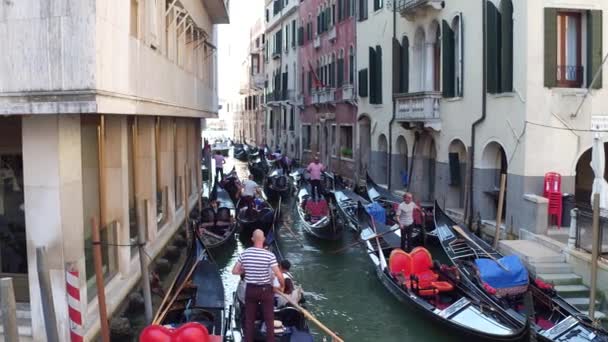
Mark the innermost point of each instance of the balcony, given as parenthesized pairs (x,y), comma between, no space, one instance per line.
(316,43)
(348,93)
(419,108)
(332,34)
(412,8)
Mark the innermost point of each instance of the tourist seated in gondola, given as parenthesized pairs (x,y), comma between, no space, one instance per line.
(291,290)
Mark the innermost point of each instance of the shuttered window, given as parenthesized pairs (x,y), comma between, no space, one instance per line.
(550,47)
(506,51)
(378,4)
(340,72)
(396,66)
(351,66)
(340,9)
(404,79)
(594,48)
(362,9)
(493,48)
(378,83)
(447,41)
(300,36)
(372,75)
(293,33)
(363,83)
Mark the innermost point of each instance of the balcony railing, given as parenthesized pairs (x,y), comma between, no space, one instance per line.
(316,43)
(331,35)
(570,76)
(348,93)
(413,7)
(422,107)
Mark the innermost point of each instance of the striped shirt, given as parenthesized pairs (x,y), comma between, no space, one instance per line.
(257,263)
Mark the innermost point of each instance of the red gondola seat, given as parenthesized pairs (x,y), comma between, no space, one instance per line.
(422,268)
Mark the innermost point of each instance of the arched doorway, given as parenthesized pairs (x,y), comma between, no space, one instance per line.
(422,178)
(583,186)
(457,159)
(365,143)
(400,164)
(493,164)
(382,160)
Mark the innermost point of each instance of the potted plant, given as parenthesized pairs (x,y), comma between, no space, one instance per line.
(347,152)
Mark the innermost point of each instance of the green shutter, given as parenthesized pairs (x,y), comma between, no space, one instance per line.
(363,83)
(340,72)
(594,47)
(396,66)
(506,52)
(447,39)
(492,49)
(404,82)
(550,47)
(378,74)
(372,75)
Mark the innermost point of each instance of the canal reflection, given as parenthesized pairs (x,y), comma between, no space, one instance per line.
(342,290)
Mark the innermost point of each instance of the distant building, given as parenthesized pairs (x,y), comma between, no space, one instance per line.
(327,70)
(102,105)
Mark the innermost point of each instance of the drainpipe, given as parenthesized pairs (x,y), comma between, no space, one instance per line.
(484,87)
(390,125)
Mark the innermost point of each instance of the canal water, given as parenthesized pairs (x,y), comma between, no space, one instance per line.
(342,290)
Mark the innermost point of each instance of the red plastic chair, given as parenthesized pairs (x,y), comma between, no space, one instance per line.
(553,183)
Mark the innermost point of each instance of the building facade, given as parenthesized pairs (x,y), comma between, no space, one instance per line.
(101,119)
(282,86)
(472,101)
(327,69)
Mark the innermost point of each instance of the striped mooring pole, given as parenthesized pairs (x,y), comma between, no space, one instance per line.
(73,290)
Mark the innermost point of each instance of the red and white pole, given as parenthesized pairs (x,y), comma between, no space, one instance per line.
(73,290)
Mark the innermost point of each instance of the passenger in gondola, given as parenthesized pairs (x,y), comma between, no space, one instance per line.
(258,265)
(405,219)
(315,169)
(294,293)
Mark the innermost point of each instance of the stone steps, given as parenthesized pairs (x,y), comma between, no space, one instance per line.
(581,303)
(572,291)
(24,322)
(530,251)
(561,278)
(550,267)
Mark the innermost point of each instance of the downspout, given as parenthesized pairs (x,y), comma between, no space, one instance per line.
(390,125)
(484,87)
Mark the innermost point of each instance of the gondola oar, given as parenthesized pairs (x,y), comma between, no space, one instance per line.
(287,226)
(308,315)
(364,240)
(466,236)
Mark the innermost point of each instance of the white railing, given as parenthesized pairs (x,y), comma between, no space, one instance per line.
(316,43)
(420,107)
(331,35)
(412,6)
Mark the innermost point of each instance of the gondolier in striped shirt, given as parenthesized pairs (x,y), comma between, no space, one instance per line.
(258,265)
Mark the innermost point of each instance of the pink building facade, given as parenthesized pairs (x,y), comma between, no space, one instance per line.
(327,73)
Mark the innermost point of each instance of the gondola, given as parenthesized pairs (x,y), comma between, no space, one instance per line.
(317,216)
(276,185)
(240,152)
(433,290)
(293,325)
(258,167)
(262,216)
(346,202)
(232,185)
(215,228)
(554,319)
(200,298)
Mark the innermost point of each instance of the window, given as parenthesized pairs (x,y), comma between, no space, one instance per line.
(286,37)
(340,81)
(452,85)
(267,15)
(334,146)
(292,118)
(318,137)
(332,71)
(293,33)
(362,9)
(375,75)
(340,10)
(378,5)
(351,65)
(346,141)
(363,89)
(306,138)
(500,47)
(569,46)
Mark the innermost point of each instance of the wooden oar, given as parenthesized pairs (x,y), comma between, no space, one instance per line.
(162,304)
(287,226)
(312,318)
(162,314)
(364,240)
(466,236)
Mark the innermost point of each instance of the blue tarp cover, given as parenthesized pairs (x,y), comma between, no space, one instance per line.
(376,211)
(497,277)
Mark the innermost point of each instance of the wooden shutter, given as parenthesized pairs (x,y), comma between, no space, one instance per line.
(284,87)
(340,5)
(396,66)
(594,47)
(492,49)
(372,75)
(363,83)
(378,74)
(506,52)
(550,47)
(404,79)
(460,64)
(300,36)
(447,42)
(293,33)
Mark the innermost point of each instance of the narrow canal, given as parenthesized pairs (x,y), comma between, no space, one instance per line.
(342,290)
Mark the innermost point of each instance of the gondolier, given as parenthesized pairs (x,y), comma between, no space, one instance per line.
(405,219)
(258,265)
(249,189)
(219,164)
(315,169)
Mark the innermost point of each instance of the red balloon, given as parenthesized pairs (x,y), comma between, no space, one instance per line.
(190,332)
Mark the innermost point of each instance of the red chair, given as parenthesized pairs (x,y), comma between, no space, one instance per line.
(400,265)
(553,183)
(422,264)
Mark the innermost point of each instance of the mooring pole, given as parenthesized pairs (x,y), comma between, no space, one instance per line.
(144,264)
(101,291)
(594,253)
(46,296)
(8,308)
(501,200)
